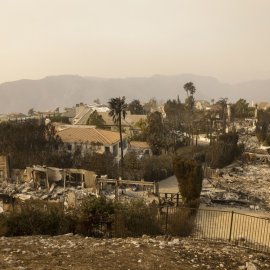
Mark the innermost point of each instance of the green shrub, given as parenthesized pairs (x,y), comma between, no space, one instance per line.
(224,150)
(189,175)
(189,151)
(156,168)
(136,219)
(37,217)
(152,168)
(99,163)
(132,167)
(182,222)
(94,213)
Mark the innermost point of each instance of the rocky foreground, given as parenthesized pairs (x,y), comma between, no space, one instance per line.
(76,252)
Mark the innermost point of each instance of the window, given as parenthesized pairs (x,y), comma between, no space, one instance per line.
(107,149)
(78,149)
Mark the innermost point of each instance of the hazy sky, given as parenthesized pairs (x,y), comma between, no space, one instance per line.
(227,39)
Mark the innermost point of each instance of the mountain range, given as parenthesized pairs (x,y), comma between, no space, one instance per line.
(67,90)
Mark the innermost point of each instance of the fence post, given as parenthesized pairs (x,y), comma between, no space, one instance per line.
(167,213)
(115,224)
(231,227)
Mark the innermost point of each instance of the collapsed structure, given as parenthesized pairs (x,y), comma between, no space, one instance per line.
(65,186)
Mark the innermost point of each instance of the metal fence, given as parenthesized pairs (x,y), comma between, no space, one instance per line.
(223,226)
(170,198)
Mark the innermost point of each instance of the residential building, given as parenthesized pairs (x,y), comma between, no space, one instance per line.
(83,111)
(88,139)
(128,124)
(264,105)
(202,105)
(140,148)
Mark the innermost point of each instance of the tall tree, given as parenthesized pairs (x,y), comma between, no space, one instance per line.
(135,107)
(240,109)
(190,102)
(118,109)
(28,143)
(190,88)
(156,134)
(224,150)
(223,103)
(151,105)
(189,175)
(262,125)
(31,112)
(174,110)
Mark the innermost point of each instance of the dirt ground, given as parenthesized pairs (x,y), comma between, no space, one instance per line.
(76,252)
(169,185)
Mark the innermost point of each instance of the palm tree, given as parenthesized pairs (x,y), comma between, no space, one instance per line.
(190,88)
(118,108)
(190,102)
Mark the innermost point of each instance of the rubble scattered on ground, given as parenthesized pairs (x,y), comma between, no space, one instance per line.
(161,252)
(25,191)
(70,196)
(249,185)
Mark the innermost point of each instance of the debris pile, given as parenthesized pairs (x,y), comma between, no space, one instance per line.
(67,186)
(16,193)
(246,186)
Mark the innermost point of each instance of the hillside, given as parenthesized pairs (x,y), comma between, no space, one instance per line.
(66,90)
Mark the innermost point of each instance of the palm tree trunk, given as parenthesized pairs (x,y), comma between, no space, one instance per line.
(121,144)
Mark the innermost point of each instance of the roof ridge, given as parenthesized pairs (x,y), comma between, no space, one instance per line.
(63,129)
(81,116)
(98,131)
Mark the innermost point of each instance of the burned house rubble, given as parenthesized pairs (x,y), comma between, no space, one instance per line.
(126,190)
(240,186)
(67,186)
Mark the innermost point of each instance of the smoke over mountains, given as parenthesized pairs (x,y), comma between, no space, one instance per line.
(67,90)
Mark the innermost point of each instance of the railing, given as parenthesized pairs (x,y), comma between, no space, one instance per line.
(170,198)
(222,226)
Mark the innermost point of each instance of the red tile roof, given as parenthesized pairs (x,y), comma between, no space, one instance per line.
(88,135)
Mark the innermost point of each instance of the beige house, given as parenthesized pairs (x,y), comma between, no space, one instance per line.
(88,139)
(264,105)
(83,111)
(202,105)
(141,148)
(128,124)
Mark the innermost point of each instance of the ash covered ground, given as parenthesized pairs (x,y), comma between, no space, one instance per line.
(76,252)
(241,187)
(252,181)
